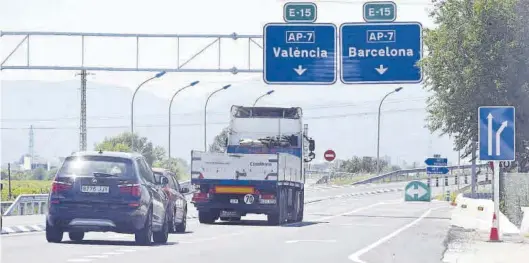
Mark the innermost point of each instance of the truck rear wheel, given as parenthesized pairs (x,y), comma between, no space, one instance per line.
(301,206)
(273,219)
(206,217)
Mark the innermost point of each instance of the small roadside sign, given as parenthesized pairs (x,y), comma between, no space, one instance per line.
(417,191)
(436,170)
(329,155)
(436,161)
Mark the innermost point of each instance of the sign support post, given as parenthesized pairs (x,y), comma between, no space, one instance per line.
(496,185)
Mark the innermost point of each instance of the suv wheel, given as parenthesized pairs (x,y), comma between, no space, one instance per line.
(181,228)
(53,233)
(76,236)
(144,235)
(172,222)
(162,236)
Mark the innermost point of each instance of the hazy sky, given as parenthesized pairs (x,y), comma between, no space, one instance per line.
(211,17)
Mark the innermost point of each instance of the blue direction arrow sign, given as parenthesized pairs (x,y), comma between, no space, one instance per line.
(497,133)
(436,170)
(299,54)
(436,161)
(376,53)
(417,191)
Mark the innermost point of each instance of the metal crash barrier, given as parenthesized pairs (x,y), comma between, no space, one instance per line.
(34,204)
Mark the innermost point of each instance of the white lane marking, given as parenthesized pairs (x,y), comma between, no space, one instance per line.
(312,240)
(208,238)
(126,250)
(79,260)
(113,253)
(97,256)
(353,211)
(360,224)
(355,256)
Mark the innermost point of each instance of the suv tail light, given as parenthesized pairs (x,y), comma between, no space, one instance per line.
(130,189)
(200,197)
(203,197)
(58,186)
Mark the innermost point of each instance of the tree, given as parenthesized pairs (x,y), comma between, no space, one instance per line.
(364,165)
(219,142)
(477,56)
(177,165)
(122,143)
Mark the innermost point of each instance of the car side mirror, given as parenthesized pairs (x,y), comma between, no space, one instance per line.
(164,181)
(184,190)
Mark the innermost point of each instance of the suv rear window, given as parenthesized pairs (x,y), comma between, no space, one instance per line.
(88,165)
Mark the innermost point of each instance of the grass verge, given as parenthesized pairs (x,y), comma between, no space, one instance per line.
(19,187)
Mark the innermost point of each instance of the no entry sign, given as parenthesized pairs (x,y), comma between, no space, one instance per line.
(329,155)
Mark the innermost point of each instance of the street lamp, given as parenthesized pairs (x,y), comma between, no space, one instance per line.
(158,75)
(170,105)
(378,127)
(205,113)
(266,94)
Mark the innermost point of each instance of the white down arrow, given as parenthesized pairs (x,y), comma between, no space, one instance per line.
(300,70)
(381,69)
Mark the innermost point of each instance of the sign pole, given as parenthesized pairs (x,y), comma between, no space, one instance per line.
(496,223)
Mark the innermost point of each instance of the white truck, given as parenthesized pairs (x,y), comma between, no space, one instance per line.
(261,172)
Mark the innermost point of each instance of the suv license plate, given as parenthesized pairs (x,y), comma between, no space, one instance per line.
(95,189)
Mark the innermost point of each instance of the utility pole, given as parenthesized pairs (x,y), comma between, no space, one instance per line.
(502,167)
(31,146)
(9,181)
(82,124)
(473,169)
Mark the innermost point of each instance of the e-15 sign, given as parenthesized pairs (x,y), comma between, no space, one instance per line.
(299,12)
(380,11)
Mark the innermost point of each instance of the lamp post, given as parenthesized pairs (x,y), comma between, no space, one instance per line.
(266,94)
(378,127)
(205,113)
(158,75)
(170,105)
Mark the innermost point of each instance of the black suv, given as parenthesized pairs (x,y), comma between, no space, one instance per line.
(107,191)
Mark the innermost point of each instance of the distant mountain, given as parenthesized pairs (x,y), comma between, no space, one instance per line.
(341,118)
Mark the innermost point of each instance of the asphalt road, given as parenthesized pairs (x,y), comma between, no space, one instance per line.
(364,228)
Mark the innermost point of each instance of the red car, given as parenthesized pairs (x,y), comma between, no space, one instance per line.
(177,205)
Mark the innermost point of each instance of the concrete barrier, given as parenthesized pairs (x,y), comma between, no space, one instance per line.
(477,214)
(524,228)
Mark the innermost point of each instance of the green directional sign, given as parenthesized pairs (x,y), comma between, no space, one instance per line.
(417,191)
(299,12)
(380,11)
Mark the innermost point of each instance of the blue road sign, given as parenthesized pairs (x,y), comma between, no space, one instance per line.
(436,161)
(299,54)
(496,132)
(436,170)
(376,53)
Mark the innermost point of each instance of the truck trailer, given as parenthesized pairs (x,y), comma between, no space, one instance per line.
(260,172)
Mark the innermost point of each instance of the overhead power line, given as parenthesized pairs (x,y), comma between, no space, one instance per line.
(151,116)
(335,116)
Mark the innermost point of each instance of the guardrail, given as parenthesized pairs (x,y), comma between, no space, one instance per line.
(33,204)
(411,171)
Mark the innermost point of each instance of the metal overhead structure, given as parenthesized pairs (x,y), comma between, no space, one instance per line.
(215,41)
